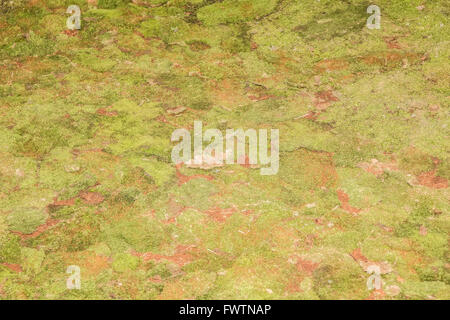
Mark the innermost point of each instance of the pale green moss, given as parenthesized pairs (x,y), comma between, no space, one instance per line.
(125,262)
(26,220)
(32,259)
(232,11)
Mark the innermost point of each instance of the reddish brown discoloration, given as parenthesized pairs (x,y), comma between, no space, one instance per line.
(392,43)
(324,99)
(219,214)
(331,65)
(366,264)
(344,199)
(107,112)
(260,97)
(175,209)
(376,295)
(306,266)
(182,179)
(391,58)
(430,180)
(61,203)
(358,256)
(12,266)
(70,33)
(181,257)
(39,230)
(294,283)
(92,197)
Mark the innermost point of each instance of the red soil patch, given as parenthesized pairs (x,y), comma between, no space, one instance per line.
(70,33)
(163,119)
(39,230)
(391,42)
(306,266)
(155,279)
(324,99)
(219,214)
(430,180)
(182,179)
(12,266)
(107,112)
(358,256)
(260,97)
(175,209)
(384,267)
(320,167)
(377,168)
(293,285)
(423,231)
(91,197)
(311,115)
(331,65)
(181,257)
(344,199)
(392,58)
(61,203)
(376,295)
(95,264)
(228,93)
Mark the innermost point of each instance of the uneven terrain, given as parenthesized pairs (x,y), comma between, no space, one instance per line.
(86,176)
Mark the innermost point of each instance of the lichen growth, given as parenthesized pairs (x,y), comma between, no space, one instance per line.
(87,116)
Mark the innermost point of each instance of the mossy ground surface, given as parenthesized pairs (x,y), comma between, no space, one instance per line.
(86,177)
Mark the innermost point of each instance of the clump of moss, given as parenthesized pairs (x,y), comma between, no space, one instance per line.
(134,234)
(443,169)
(111,4)
(10,249)
(26,220)
(9,5)
(90,59)
(33,45)
(127,196)
(3,229)
(334,24)
(125,262)
(32,259)
(233,11)
(418,215)
(415,161)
